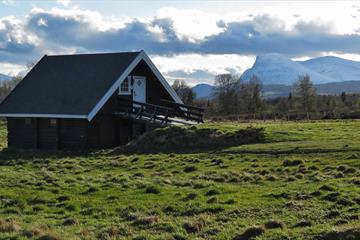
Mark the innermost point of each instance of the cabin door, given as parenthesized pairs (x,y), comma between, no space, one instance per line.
(139,89)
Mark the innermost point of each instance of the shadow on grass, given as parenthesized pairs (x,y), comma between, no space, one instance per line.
(10,157)
(163,140)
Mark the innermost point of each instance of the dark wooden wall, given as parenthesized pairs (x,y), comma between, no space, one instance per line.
(73,133)
(48,137)
(22,134)
(46,133)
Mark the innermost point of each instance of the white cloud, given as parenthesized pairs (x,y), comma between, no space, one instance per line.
(11,69)
(192,24)
(212,64)
(65,3)
(8,2)
(13,36)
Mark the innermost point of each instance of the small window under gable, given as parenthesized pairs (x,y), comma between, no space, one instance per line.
(27,121)
(53,122)
(125,87)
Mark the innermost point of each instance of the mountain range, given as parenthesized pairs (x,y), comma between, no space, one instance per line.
(278,69)
(331,75)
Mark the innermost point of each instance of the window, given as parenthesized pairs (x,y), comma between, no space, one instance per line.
(27,121)
(53,122)
(125,86)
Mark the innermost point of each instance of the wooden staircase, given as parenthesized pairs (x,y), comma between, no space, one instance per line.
(163,115)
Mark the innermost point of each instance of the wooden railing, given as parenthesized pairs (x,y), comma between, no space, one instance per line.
(172,112)
(186,111)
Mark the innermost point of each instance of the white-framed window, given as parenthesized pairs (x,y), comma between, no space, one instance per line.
(53,122)
(125,87)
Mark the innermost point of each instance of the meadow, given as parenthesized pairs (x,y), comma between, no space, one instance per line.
(301,182)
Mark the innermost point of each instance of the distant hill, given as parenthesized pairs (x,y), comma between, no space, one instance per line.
(203,90)
(335,67)
(4,77)
(277,90)
(276,69)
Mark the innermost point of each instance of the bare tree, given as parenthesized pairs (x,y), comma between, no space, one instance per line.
(226,93)
(7,86)
(184,91)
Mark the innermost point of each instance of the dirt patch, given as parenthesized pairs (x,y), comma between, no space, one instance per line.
(180,139)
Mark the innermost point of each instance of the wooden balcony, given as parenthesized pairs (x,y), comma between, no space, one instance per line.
(169,113)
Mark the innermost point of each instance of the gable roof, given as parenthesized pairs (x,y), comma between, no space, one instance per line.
(74,86)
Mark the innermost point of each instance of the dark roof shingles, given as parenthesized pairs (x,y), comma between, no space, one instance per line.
(67,84)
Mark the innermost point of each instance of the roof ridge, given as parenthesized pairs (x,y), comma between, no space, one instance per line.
(95,53)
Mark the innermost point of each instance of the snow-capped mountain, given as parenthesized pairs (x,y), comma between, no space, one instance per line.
(334,67)
(277,69)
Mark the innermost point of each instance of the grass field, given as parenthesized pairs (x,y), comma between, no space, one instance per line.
(303,182)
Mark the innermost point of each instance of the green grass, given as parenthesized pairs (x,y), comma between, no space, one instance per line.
(205,195)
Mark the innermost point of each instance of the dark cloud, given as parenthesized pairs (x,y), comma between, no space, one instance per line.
(49,31)
(135,35)
(12,39)
(306,38)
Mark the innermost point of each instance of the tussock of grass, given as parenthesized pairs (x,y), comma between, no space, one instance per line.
(250,233)
(274,224)
(196,225)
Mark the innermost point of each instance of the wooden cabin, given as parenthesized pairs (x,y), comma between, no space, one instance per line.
(91,101)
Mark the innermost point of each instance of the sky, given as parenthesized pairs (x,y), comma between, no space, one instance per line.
(190,40)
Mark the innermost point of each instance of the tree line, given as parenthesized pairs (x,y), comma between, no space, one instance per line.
(234,98)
